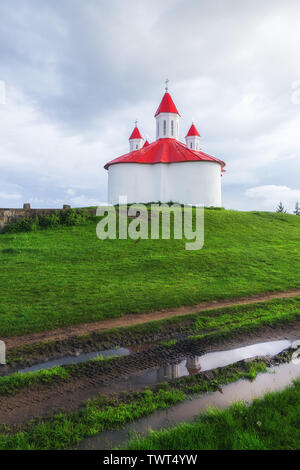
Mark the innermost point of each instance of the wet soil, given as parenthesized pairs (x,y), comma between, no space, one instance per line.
(128,373)
(128,320)
(279,377)
(78,349)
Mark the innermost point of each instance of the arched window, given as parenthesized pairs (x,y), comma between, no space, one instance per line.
(172,127)
(136,146)
(165,127)
(191,145)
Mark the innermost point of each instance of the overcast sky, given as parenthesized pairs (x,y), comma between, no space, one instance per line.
(78,73)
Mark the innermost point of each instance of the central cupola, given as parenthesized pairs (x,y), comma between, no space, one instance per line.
(167,118)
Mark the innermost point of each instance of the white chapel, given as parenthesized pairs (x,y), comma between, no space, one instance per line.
(166,170)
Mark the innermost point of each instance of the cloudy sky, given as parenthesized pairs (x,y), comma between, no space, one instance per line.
(77,74)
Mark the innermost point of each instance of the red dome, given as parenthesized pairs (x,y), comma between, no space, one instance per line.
(167,105)
(193,131)
(135,134)
(164,151)
(146,144)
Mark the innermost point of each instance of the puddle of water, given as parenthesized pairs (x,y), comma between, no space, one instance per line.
(192,365)
(278,378)
(196,364)
(77,359)
(225,358)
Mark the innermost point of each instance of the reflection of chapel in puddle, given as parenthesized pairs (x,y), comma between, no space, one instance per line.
(173,371)
(193,364)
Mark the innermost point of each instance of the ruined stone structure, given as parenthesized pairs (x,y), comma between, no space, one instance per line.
(11,215)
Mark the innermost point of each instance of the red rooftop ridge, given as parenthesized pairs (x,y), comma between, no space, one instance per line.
(166,105)
(135,134)
(193,131)
(164,151)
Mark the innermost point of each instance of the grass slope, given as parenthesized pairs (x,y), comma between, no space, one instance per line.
(64,276)
(269,423)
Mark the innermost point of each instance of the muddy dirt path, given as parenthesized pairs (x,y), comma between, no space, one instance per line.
(128,373)
(130,320)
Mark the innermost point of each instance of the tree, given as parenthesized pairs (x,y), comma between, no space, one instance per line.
(280,208)
(297,209)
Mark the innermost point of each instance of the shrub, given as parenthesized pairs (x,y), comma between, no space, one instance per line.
(73,217)
(49,221)
(66,217)
(22,225)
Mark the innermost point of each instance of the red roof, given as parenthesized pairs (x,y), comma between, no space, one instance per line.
(164,151)
(135,134)
(146,144)
(193,131)
(167,105)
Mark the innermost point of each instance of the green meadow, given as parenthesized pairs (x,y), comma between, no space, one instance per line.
(65,275)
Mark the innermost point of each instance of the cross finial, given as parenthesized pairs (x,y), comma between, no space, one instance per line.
(166,82)
(136,122)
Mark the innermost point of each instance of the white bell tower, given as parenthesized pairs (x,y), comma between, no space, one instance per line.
(167,118)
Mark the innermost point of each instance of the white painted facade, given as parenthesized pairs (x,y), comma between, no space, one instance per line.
(135,144)
(167,126)
(195,182)
(193,142)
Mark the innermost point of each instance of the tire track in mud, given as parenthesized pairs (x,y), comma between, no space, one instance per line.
(136,319)
(89,381)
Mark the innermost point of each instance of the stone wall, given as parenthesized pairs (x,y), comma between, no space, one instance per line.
(11,215)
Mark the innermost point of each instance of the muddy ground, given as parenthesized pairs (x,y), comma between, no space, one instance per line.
(86,338)
(75,346)
(93,378)
(128,320)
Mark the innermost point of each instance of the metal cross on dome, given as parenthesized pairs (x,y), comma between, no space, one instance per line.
(136,122)
(166,82)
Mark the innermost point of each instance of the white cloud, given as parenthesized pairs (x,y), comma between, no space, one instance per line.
(76,83)
(4,195)
(84,200)
(270,195)
(38,153)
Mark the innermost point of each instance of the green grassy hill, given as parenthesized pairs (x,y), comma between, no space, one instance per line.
(63,276)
